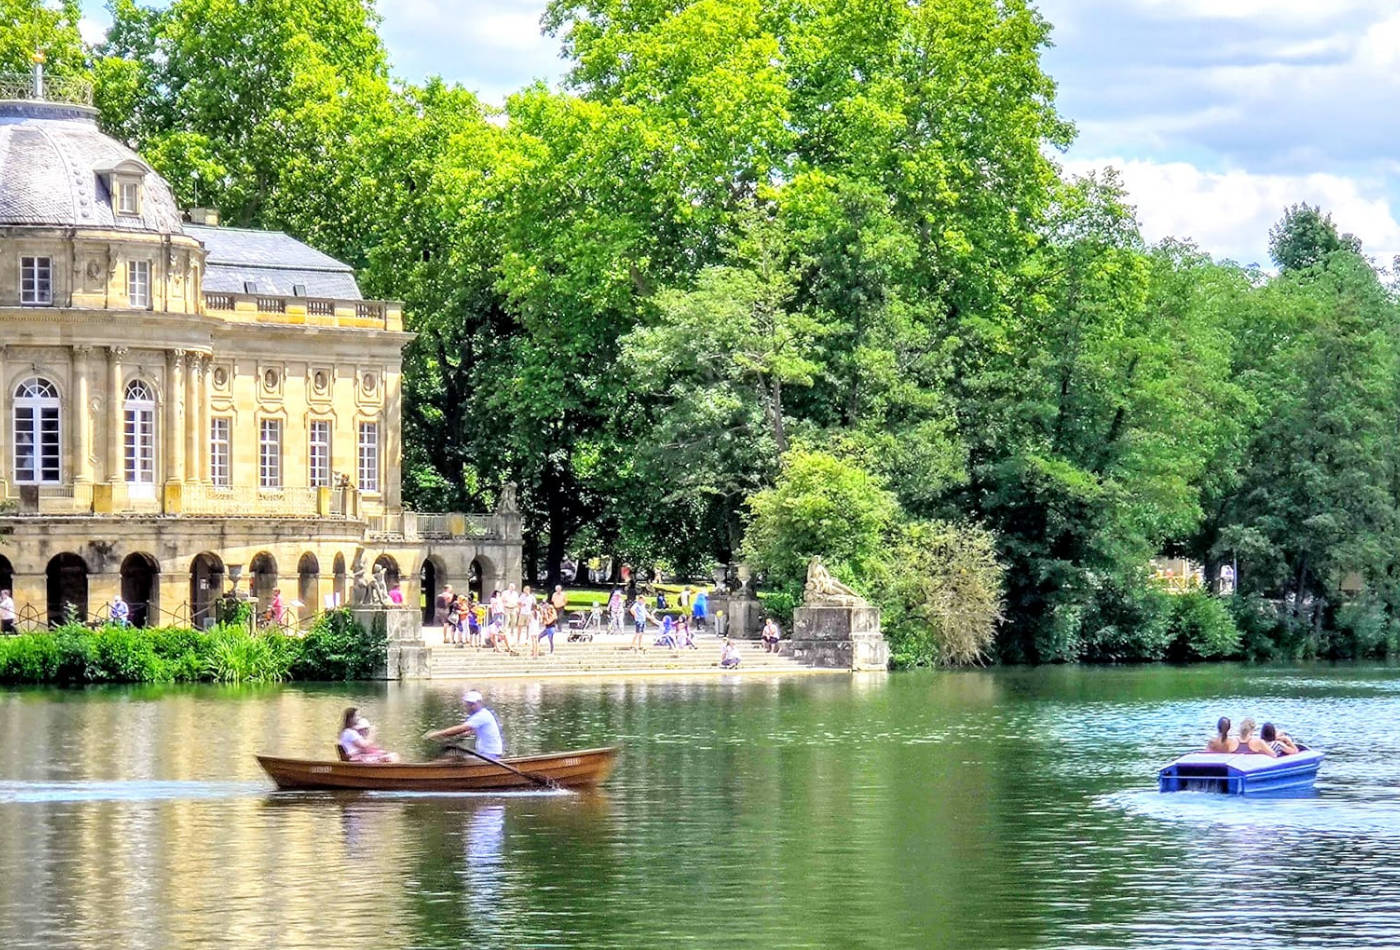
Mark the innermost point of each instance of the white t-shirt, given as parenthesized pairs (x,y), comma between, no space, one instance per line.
(511,599)
(7,608)
(350,741)
(488,732)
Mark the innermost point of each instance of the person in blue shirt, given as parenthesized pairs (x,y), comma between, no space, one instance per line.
(699,609)
(121,612)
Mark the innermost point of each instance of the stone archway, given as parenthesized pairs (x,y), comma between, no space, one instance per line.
(7,574)
(141,589)
(262,579)
(206,587)
(338,566)
(431,577)
(67,587)
(476,579)
(308,584)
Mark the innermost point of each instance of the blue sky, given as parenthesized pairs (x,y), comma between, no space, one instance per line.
(1218,113)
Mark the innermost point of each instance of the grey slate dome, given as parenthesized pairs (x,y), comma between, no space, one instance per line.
(54,166)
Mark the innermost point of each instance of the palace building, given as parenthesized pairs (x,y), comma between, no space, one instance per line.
(188,408)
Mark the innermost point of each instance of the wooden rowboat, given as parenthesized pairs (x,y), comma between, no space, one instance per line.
(581,769)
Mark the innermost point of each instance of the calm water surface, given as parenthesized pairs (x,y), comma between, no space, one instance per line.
(991,809)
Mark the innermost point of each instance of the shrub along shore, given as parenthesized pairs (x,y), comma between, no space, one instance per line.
(335,648)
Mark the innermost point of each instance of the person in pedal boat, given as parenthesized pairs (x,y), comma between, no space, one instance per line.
(480,722)
(1222,741)
(355,741)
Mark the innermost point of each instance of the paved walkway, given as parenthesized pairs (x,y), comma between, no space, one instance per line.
(605,655)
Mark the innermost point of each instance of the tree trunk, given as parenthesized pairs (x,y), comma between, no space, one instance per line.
(775,407)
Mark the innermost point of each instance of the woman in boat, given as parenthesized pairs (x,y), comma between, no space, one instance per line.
(1279,742)
(1249,742)
(1222,741)
(355,741)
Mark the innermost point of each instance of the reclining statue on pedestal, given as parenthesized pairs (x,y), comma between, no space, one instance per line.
(821,587)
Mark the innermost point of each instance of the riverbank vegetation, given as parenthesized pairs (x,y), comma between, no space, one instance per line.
(770,280)
(335,648)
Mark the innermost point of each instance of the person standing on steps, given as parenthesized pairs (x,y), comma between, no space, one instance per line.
(639,625)
(480,722)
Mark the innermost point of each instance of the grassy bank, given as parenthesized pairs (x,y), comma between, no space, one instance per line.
(336,648)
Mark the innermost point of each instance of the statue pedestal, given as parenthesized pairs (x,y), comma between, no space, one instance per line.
(838,636)
(408,656)
(743,616)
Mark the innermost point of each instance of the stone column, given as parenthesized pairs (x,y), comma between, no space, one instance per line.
(174,417)
(194,383)
(81,425)
(114,413)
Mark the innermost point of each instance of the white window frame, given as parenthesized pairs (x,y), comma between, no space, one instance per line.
(139,439)
(127,189)
(35,281)
(220,451)
(138,284)
(270,453)
(319,434)
(367,457)
(37,423)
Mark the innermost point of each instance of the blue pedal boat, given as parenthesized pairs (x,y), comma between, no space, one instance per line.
(1234,774)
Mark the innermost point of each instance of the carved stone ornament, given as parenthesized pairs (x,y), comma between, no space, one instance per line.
(822,588)
(507,505)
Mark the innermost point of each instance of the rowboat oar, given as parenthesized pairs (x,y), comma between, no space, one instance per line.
(541,780)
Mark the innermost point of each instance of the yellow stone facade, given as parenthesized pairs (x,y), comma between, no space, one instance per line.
(178,410)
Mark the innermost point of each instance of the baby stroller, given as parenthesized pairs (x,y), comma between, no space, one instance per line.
(578,628)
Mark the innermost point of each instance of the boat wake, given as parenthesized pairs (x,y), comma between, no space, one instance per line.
(1372,815)
(142,790)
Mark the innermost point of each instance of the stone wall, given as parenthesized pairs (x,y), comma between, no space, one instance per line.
(408,656)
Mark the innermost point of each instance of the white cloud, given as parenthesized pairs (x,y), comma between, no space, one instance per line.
(92,30)
(1229,213)
(1276,10)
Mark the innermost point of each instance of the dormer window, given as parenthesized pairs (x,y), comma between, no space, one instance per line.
(122,183)
(128,198)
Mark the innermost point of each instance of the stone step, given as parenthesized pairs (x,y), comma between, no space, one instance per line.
(604,656)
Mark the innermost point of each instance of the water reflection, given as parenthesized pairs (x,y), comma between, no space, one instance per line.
(990,809)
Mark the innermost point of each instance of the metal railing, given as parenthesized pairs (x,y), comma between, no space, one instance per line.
(65,89)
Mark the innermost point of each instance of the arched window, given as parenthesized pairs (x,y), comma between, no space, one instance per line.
(140,435)
(37,436)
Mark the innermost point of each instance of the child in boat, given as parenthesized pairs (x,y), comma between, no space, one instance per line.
(1279,742)
(355,741)
(1222,741)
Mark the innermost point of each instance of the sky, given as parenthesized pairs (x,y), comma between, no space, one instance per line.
(1217,113)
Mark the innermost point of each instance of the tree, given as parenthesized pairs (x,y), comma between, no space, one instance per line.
(30,26)
(1305,237)
(819,506)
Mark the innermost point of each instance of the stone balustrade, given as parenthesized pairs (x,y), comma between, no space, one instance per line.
(305,311)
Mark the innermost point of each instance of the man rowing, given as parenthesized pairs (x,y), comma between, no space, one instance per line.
(480,722)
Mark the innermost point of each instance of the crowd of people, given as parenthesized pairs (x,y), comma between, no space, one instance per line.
(514,621)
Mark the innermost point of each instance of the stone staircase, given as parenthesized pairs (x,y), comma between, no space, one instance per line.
(606,655)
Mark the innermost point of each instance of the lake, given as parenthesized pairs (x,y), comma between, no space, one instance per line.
(1005,808)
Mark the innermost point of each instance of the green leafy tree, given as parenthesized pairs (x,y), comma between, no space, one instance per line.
(30,26)
(1306,237)
(820,506)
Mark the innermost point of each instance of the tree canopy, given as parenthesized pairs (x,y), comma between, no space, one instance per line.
(794,278)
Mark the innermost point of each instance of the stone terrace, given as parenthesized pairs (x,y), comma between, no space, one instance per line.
(606,655)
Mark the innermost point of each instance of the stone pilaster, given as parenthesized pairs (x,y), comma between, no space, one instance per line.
(113,470)
(194,381)
(174,415)
(81,425)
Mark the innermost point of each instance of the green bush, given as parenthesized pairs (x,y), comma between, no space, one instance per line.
(1363,627)
(1201,627)
(1127,620)
(940,591)
(72,655)
(338,648)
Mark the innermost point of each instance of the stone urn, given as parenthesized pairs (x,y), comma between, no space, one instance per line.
(745,574)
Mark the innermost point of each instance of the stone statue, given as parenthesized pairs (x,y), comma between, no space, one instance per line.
(360,595)
(822,588)
(507,504)
(379,590)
